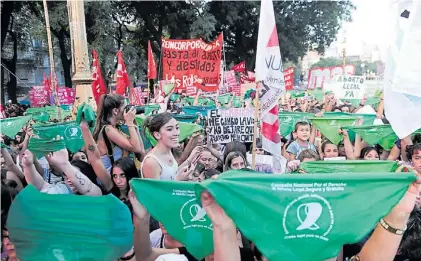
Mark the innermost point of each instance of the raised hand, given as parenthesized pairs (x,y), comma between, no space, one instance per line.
(28,158)
(215,212)
(129,116)
(138,209)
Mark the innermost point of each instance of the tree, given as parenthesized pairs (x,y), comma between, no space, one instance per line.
(330,62)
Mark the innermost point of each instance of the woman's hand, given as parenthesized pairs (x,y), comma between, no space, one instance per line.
(293,165)
(217,214)
(344,133)
(84,125)
(59,158)
(138,209)
(28,158)
(129,116)
(185,172)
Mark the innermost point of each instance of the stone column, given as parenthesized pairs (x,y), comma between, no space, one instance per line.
(81,67)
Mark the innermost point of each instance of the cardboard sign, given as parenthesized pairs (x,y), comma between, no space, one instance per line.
(226,125)
(349,87)
(317,77)
(192,63)
(39,96)
(289,78)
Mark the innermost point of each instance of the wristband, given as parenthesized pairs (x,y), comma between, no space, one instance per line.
(391,229)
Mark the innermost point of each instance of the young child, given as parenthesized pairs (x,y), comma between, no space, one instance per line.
(304,139)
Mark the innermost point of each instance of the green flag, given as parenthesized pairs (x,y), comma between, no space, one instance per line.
(150,107)
(50,227)
(236,102)
(287,121)
(318,94)
(198,109)
(70,131)
(41,117)
(373,134)
(40,147)
(182,217)
(167,87)
(11,126)
(285,214)
(329,126)
(186,130)
(225,98)
(348,166)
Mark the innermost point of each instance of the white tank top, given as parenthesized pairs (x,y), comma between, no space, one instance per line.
(167,172)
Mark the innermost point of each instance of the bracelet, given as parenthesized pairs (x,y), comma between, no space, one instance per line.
(392,229)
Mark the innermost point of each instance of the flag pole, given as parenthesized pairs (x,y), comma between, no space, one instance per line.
(51,54)
(256,119)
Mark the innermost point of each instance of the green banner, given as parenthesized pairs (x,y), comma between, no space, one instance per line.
(349,166)
(329,126)
(51,227)
(286,212)
(203,110)
(70,131)
(183,218)
(11,126)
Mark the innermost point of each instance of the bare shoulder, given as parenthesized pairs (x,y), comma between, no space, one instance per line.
(151,168)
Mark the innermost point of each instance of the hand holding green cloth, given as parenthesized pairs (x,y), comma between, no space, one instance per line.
(373,134)
(48,227)
(329,126)
(40,147)
(85,111)
(282,214)
(183,217)
(195,109)
(11,126)
(189,118)
(70,131)
(349,166)
(186,130)
(287,121)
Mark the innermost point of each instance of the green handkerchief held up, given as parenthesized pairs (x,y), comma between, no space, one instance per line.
(287,121)
(40,147)
(70,131)
(85,111)
(349,166)
(373,134)
(182,216)
(329,126)
(306,217)
(11,126)
(48,227)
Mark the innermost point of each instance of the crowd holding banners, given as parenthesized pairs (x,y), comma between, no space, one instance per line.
(205,201)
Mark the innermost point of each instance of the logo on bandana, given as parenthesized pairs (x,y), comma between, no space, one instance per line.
(194,216)
(73,132)
(9,124)
(308,216)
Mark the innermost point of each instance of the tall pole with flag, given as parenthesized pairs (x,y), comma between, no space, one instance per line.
(270,78)
(98,84)
(123,81)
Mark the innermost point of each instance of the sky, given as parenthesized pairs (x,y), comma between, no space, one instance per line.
(369,25)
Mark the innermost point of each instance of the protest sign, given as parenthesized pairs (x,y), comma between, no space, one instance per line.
(39,96)
(65,95)
(192,63)
(289,78)
(247,86)
(232,83)
(138,96)
(226,125)
(319,76)
(348,87)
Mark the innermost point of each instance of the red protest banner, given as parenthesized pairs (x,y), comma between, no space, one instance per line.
(39,96)
(138,96)
(241,67)
(289,78)
(66,96)
(192,63)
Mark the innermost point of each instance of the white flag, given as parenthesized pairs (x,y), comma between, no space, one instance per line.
(402,81)
(270,76)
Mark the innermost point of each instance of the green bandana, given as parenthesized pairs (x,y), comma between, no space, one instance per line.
(150,108)
(236,102)
(40,147)
(41,117)
(189,118)
(85,111)
(329,126)
(318,94)
(373,134)
(87,228)
(167,87)
(51,110)
(287,121)
(225,98)
(69,130)
(11,126)
(186,130)
(347,166)
(198,109)
(183,217)
(283,213)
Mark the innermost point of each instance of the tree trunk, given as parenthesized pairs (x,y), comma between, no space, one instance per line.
(2,98)
(12,85)
(66,63)
(7,8)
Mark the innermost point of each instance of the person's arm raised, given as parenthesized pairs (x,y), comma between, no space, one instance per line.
(224,230)
(31,174)
(94,157)
(60,160)
(349,149)
(383,244)
(133,144)
(11,165)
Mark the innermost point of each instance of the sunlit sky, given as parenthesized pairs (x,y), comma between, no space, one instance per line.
(369,26)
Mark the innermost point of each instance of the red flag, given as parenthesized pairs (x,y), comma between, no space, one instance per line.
(98,85)
(123,81)
(241,67)
(46,83)
(151,63)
